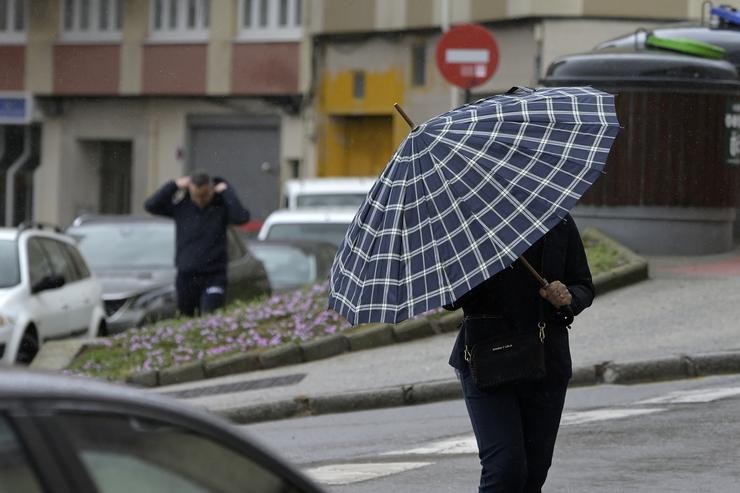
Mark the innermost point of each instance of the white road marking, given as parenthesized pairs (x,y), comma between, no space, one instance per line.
(456,445)
(467,445)
(694,396)
(580,417)
(340,474)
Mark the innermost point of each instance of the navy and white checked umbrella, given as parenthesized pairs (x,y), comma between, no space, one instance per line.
(465,194)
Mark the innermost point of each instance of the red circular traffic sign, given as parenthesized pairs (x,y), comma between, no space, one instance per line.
(467,55)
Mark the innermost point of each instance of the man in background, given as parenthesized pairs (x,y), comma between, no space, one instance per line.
(202,209)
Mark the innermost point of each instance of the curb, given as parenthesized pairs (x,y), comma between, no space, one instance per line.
(675,368)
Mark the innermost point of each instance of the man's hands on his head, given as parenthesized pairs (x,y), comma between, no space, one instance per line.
(183,182)
(220,187)
(557,294)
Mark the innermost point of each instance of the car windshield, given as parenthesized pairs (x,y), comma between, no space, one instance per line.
(126,245)
(331,200)
(9,269)
(332,233)
(286,266)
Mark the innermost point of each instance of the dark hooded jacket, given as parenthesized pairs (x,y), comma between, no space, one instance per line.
(514,294)
(200,232)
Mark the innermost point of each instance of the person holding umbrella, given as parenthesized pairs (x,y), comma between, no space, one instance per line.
(471,208)
(516,424)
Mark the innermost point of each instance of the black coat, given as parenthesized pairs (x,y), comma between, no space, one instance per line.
(200,232)
(514,294)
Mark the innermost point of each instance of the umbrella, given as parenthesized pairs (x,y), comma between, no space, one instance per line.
(465,194)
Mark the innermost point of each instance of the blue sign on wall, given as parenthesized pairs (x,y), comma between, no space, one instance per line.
(15,108)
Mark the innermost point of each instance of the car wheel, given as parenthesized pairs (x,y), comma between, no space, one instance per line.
(102,329)
(28,348)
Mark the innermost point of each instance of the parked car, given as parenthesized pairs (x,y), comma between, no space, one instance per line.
(294,264)
(134,258)
(326,192)
(46,292)
(316,224)
(63,434)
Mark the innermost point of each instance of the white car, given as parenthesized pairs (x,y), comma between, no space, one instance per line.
(316,224)
(326,192)
(46,292)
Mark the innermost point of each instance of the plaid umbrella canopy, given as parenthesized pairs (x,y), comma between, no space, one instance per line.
(466,194)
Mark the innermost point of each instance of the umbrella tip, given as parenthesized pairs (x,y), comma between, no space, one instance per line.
(404,115)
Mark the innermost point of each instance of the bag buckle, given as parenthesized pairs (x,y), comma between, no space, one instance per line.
(542,326)
(466,354)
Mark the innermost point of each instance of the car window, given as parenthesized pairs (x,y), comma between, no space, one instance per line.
(286,266)
(38,264)
(234,246)
(332,233)
(9,269)
(60,262)
(126,245)
(331,200)
(16,473)
(123,454)
(78,261)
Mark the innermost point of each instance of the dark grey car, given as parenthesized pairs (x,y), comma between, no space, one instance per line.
(134,259)
(68,435)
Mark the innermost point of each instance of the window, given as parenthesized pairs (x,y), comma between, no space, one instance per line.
(234,245)
(38,265)
(270,20)
(92,20)
(9,270)
(82,271)
(59,260)
(419,65)
(127,453)
(15,471)
(13,21)
(180,20)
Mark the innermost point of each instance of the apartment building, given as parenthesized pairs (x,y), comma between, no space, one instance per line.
(103,100)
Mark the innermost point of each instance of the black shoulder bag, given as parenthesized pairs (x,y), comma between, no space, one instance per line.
(498,352)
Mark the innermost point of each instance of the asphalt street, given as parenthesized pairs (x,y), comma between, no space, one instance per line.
(673,436)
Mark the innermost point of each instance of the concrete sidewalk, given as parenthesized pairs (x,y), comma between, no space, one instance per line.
(683,322)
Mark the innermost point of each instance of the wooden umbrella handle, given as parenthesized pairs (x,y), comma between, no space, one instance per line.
(543,282)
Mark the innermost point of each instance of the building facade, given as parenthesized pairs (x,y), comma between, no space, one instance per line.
(129,93)
(117,96)
(370,54)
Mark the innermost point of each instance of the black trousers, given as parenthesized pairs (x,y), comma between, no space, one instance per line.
(515,428)
(200,293)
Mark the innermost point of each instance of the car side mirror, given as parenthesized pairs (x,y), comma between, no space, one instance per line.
(49,282)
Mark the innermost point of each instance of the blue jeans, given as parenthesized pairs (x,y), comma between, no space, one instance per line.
(515,428)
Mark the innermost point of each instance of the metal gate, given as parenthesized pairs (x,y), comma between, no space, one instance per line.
(243,150)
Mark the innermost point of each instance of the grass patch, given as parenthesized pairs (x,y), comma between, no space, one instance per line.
(602,257)
(292,317)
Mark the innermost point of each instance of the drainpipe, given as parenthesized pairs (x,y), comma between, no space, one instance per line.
(10,176)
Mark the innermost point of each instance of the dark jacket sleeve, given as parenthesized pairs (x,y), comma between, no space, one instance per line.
(235,211)
(160,203)
(577,274)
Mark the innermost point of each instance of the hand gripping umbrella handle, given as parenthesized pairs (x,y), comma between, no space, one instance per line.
(543,282)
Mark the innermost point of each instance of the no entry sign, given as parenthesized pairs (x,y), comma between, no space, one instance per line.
(467,55)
